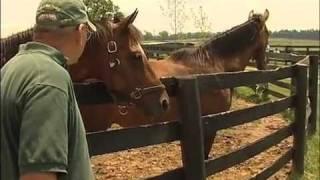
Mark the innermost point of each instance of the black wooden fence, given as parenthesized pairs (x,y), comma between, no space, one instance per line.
(190,129)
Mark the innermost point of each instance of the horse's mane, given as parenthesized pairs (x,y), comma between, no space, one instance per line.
(10,45)
(224,44)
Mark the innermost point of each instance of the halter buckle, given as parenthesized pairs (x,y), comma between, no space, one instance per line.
(112,47)
(136,94)
(123,110)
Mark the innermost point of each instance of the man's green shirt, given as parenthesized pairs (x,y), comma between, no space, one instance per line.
(41,126)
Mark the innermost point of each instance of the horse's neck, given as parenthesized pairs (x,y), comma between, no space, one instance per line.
(167,68)
(237,62)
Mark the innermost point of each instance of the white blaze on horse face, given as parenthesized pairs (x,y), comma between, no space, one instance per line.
(137,48)
(114,63)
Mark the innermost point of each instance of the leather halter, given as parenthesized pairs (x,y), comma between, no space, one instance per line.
(137,93)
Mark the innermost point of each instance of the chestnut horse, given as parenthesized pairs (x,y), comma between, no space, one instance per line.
(113,55)
(227,52)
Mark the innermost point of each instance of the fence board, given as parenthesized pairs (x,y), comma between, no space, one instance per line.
(227,80)
(229,160)
(92,93)
(282,84)
(284,159)
(276,94)
(122,139)
(284,56)
(224,120)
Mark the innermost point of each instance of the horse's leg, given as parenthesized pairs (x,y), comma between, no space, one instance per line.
(215,101)
(208,142)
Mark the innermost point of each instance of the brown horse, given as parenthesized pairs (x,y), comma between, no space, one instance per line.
(227,52)
(113,55)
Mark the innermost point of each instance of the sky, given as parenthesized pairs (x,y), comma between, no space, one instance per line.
(18,15)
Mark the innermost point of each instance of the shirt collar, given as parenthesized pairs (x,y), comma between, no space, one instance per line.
(56,55)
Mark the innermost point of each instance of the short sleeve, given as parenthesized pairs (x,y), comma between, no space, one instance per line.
(43,145)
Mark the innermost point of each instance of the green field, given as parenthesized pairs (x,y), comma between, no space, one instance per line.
(293,42)
(272,41)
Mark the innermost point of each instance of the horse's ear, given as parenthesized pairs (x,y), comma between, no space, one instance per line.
(130,19)
(250,14)
(266,15)
(133,16)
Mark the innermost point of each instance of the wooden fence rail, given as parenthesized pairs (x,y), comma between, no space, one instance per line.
(191,127)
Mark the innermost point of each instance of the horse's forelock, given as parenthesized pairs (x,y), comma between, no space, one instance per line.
(135,34)
(105,32)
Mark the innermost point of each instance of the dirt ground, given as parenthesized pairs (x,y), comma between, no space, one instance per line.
(154,160)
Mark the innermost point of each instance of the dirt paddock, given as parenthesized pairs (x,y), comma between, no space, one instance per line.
(154,160)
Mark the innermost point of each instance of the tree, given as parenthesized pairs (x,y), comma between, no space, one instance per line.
(201,20)
(164,35)
(147,35)
(100,9)
(175,11)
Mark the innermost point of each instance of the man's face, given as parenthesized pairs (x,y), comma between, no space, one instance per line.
(82,35)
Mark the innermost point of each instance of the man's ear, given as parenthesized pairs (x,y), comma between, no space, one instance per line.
(81,30)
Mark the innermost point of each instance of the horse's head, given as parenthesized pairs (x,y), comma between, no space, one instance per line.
(128,74)
(262,38)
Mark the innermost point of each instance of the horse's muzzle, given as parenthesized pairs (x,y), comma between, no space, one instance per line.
(165,103)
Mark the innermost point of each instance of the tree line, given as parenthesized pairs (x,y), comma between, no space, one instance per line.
(311,34)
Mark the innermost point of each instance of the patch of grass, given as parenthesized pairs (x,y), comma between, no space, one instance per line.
(288,115)
(312,158)
(250,95)
(294,42)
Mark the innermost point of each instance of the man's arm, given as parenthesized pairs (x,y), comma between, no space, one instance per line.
(43,145)
(39,176)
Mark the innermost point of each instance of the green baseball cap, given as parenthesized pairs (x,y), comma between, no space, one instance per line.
(62,13)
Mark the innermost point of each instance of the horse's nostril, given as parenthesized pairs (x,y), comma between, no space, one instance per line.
(165,105)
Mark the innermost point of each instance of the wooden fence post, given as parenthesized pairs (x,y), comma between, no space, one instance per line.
(293,83)
(191,129)
(313,94)
(300,119)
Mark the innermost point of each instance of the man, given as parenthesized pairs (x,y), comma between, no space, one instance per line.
(42,134)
